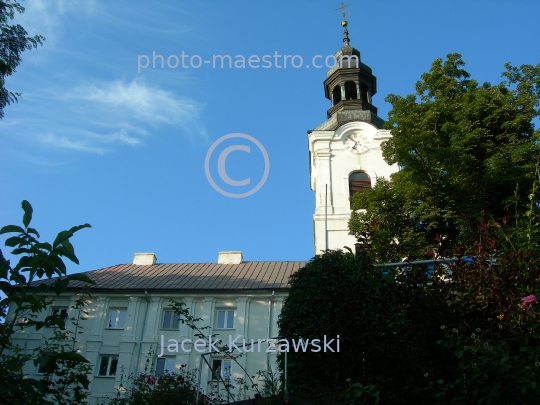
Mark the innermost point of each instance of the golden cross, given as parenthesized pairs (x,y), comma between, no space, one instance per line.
(342,8)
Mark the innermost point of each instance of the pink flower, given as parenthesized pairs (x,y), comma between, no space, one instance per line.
(530,299)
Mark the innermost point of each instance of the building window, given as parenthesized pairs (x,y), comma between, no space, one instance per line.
(221,370)
(117,318)
(164,365)
(60,311)
(171,320)
(358,182)
(40,369)
(225,319)
(56,311)
(108,366)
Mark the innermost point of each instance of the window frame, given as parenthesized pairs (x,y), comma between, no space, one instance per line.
(110,361)
(39,369)
(60,309)
(366,183)
(224,364)
(172,320)
(167,363)
(226,319)
(119,319)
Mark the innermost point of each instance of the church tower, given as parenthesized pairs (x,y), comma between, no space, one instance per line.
(345,150)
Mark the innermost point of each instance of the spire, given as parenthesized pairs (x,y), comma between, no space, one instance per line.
(345,33)
(344,23)
(350,84)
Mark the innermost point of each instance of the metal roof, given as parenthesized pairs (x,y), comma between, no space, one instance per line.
(192,276)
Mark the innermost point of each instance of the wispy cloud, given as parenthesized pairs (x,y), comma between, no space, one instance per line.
(101,117)
(65,143)
(123,137)
(145,103)
(87,141)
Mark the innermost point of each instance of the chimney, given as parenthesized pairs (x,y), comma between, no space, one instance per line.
(144,259)
(229,258)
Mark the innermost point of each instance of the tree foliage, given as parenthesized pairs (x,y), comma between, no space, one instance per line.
(14,40)
(462,147)
(445,333)
(336,294)
(38,260)
(492,325)
(173,388)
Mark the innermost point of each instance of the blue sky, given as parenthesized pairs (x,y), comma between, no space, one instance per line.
(94,140)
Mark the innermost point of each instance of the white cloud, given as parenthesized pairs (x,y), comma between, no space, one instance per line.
(149,104)
(88,141)
(94,118)
(123,137)
(65,143)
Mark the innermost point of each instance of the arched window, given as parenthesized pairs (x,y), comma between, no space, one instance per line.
(336,94)
(350,91)
(358,182)
(364,91)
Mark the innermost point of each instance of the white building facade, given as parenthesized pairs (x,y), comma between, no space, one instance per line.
(130,320)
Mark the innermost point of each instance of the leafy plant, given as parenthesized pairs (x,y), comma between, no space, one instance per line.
(65,376)
(462,148)
(174,388)
(178,387)
(357,393)
(25,300)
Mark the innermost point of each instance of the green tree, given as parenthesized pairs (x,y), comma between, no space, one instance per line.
(339,294)
(38,260)
(465,332)
(462,148)
(14,40)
